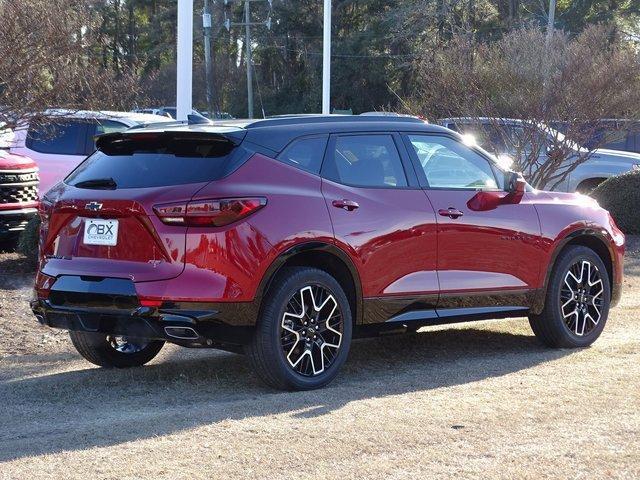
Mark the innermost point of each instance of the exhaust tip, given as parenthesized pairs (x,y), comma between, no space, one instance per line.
(182,333)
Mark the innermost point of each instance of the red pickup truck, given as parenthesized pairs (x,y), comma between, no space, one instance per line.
(18,193)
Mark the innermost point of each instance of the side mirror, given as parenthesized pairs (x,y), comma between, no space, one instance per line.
(490,200)
(515,184)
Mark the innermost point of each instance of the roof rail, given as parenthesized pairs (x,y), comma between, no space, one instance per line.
(311,119)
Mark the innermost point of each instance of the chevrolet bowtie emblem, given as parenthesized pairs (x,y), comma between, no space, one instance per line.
(94,206)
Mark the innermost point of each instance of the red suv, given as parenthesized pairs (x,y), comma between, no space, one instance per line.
(285,238)
(18,194)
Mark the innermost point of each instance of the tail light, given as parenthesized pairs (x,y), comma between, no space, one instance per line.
(209,213)
(44,209)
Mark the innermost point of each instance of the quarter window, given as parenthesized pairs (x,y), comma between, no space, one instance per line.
(449,164)
(365,161)
(306,153)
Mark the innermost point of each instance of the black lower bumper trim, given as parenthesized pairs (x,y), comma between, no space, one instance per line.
(202,329)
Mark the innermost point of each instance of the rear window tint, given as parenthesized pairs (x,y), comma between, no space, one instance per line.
(58,139)
(161,161)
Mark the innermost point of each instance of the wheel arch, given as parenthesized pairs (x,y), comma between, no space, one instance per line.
(595,239)
(326,257)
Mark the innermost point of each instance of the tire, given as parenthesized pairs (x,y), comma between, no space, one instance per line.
(278,351)
(98,349)
(571,319)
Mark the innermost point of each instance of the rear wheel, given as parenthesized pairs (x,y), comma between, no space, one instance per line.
(304,331)
(577,303)
(112,351)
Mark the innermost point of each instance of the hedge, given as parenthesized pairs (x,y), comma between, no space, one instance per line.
(621,196)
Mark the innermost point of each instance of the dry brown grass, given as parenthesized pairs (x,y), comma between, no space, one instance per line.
(482,400)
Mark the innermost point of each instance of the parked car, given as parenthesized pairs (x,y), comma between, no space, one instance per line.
(150,111)
(173,112)
(611,134)
(501,136)
(285,238)
(18,189)
(218,115)
(60,147)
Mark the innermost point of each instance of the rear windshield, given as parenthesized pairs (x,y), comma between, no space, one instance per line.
(142,161)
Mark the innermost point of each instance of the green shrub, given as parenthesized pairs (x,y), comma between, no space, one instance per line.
(28,241)
(621,196)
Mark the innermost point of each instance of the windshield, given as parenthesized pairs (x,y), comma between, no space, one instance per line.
(555,136)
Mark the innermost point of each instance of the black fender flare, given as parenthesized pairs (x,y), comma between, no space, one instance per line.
(313,246)
(599,233)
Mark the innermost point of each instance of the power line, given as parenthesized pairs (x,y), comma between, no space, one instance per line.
(344,55)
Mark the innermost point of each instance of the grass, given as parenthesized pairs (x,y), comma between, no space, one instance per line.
(481,400)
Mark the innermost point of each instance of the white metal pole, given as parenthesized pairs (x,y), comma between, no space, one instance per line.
(185,59)
(247,44)
(326,59)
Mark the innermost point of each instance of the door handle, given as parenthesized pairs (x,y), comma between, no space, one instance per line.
(450,212)
(348,205)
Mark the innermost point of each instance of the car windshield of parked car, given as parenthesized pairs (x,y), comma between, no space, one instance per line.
(449,164)
(109,126)
(7,137)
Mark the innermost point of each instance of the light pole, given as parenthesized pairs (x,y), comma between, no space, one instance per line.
(206,27)
(326,59)
(184,74)
(247,43)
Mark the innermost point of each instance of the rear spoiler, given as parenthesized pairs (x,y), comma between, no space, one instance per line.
(118,140)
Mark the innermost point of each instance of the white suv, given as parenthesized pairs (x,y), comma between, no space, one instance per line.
(494,134)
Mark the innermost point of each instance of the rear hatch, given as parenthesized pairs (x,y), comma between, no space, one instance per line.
(102,220)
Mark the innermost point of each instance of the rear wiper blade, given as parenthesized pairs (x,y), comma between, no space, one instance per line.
(98,183)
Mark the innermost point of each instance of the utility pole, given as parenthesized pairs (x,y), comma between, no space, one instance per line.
(247,24)
(551,21)
(206,28)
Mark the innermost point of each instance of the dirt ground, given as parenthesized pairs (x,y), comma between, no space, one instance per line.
(479,400)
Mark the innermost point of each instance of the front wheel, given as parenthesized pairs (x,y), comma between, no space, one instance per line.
(111,351)
(577,303)
(304,331)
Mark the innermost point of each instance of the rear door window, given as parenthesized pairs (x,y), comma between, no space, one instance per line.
(60,138)
(365,161)
(161,160)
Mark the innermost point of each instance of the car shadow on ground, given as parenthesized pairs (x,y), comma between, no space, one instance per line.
(79,409)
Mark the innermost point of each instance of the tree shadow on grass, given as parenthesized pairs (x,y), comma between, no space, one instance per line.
(80,409)
(16,272)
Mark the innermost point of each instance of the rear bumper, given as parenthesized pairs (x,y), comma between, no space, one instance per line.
(15,220)
(189,329)
(111,306)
